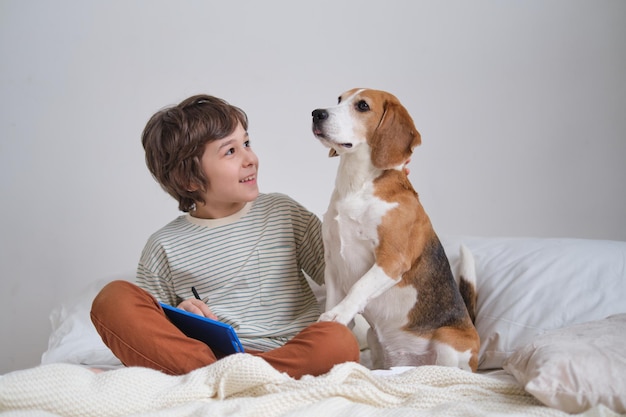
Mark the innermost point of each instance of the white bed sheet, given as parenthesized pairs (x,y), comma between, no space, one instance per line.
(243,385)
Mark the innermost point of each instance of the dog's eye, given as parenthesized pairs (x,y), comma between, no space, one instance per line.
(338,99)
(362,106)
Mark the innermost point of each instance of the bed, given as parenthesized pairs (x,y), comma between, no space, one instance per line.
(551,315)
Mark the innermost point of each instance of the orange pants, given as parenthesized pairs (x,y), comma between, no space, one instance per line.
(133,325)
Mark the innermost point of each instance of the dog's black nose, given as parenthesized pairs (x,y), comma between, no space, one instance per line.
(319,114)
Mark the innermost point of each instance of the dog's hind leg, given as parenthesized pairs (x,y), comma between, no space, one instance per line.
(376,349)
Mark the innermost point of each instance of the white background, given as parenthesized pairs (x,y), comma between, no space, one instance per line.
(521,107)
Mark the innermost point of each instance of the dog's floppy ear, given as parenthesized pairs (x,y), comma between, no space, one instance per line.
(395,137)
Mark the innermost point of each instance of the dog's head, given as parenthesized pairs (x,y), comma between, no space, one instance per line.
(371,117)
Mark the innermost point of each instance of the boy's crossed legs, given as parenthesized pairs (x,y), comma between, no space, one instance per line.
(133,325)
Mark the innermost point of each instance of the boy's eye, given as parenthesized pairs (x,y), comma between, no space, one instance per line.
(247,144)
(230,151)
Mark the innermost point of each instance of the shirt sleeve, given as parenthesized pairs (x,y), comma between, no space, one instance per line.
(310,246)
(153,274)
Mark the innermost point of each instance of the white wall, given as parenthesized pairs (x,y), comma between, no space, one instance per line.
(521,106)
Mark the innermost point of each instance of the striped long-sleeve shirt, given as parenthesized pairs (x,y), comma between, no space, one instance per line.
(248,267)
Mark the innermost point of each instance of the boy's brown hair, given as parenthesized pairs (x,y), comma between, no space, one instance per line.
(174,140)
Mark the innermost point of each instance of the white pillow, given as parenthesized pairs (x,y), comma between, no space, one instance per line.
(576,368)
(74,339)
(528,286)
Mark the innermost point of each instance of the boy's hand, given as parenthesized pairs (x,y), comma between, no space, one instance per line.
(198,307)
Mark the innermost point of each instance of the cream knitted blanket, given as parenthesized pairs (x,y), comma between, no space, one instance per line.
(243,385)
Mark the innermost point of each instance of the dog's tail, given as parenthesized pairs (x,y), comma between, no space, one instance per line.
(467,280)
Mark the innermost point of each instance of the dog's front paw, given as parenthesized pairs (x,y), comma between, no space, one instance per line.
(328,316)
(336,316)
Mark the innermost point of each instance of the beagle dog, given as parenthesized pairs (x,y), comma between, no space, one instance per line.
(383,258)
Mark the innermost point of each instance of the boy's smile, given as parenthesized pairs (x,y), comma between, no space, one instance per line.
(231,167)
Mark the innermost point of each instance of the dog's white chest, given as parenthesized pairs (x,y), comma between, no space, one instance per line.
(351,229)
(358,217)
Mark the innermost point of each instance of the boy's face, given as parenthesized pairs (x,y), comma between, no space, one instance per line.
(231,168)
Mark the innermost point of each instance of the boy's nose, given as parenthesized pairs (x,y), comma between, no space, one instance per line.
(251,159)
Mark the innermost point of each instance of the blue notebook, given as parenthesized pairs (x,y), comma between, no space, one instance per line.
(217,335)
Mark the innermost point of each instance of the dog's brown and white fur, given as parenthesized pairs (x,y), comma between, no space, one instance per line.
(383,258)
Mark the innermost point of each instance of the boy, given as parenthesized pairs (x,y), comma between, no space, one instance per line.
(243,251)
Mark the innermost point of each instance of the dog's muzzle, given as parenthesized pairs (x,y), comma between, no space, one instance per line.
(319,115)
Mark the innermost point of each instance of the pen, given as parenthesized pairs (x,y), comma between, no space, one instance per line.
(195,293)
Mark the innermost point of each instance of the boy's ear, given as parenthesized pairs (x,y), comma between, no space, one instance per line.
(193,187)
